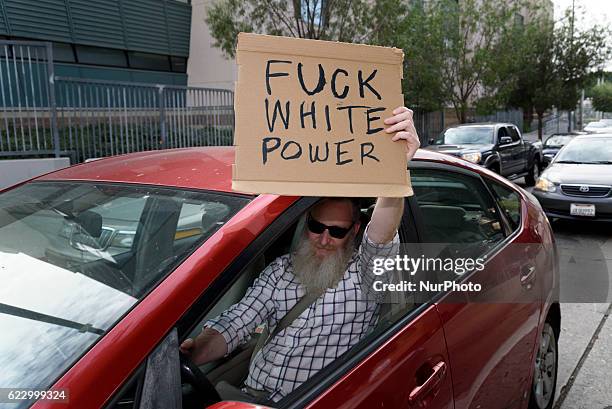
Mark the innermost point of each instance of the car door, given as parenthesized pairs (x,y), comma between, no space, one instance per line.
(490,333)
(405,363)
(519,155)
(408,367)
(505,151)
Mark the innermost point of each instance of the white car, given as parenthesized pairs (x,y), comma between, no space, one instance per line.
(603,126)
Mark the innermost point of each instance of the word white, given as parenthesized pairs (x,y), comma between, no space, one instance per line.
(406,286)
(411,265)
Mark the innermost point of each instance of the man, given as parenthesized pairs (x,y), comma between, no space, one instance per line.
(325,266)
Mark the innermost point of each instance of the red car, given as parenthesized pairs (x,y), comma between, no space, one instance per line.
(107,266)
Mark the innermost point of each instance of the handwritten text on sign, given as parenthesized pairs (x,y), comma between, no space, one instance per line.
(340,85)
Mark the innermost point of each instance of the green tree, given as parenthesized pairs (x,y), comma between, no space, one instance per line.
(477,52)
(602,97)
(360,21)
(537,84)
(554,65)
(421,34)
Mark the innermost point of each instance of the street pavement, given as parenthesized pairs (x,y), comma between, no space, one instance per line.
(584,379)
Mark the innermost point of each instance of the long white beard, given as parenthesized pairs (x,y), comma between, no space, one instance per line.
(318,274)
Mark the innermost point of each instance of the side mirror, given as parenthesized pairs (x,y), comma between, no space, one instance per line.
(504,140)
(431,141)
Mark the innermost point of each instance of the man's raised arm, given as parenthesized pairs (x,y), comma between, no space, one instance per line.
(388,211)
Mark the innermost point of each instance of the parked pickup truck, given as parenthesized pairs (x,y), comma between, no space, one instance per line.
(497,146)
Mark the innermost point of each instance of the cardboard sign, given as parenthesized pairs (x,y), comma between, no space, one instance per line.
(309,118)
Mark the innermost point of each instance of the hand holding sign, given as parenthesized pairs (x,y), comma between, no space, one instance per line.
(309,118)
(402,123)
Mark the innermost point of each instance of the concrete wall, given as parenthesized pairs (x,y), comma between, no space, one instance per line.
(17,170)
(207,67)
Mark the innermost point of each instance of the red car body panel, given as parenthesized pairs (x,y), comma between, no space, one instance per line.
(484,351)
(193,168)
(386,378)
(391,369)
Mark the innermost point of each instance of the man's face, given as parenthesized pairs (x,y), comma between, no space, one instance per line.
(332,213)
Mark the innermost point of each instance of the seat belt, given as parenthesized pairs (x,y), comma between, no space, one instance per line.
(291,315)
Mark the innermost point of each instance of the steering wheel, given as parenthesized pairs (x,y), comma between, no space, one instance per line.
(203,392)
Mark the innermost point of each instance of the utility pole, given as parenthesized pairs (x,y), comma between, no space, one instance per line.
(581,110)
(569,113)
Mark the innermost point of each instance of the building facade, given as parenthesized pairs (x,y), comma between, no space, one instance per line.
(119,40)
(207,67)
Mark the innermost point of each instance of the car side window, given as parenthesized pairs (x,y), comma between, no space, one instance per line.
(455,208)
(510,203)
(514,134)
(502,132)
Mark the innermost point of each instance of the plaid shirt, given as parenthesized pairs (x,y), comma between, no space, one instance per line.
(333,324)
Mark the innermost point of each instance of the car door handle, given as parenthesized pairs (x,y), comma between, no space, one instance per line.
(527,276)
(431,383)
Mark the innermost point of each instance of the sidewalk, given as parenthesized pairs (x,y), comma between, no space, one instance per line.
(587,386)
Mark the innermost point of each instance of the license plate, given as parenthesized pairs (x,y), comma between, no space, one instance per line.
(582,209)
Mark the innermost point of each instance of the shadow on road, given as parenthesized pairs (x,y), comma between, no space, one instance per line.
(585,260)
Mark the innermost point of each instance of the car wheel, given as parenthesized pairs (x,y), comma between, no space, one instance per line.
(534,174)
(545,370)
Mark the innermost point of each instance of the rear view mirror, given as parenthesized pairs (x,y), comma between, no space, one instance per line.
(91,222)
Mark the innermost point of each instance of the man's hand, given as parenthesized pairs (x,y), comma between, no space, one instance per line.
(206,347)
(401,122)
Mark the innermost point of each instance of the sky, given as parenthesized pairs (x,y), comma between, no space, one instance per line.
(595,12)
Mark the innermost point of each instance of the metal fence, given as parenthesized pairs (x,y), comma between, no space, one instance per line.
(102,118)
(428,124)
(513,116)
(558,122)
(27,98)
(43,114)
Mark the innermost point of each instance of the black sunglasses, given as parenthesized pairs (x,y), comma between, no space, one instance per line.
(336,232)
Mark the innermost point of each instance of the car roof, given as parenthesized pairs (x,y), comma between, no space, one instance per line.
(206,168)
(481,125)
(594,135)
(573,133)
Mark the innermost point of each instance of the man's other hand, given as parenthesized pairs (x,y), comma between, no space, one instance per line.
(208,346)
(187,346)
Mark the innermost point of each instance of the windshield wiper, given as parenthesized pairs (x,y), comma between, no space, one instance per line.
(602,162)
(570,161)
(49,319)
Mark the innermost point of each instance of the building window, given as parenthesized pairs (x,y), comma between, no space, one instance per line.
(100,56)
(147,61)
(63,52)
(179,64)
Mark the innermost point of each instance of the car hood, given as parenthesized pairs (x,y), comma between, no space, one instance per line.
(459,149)
(579,173)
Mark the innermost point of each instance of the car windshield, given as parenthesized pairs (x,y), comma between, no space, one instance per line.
(76,257)
(558,140)
(587,150)
(469,135)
